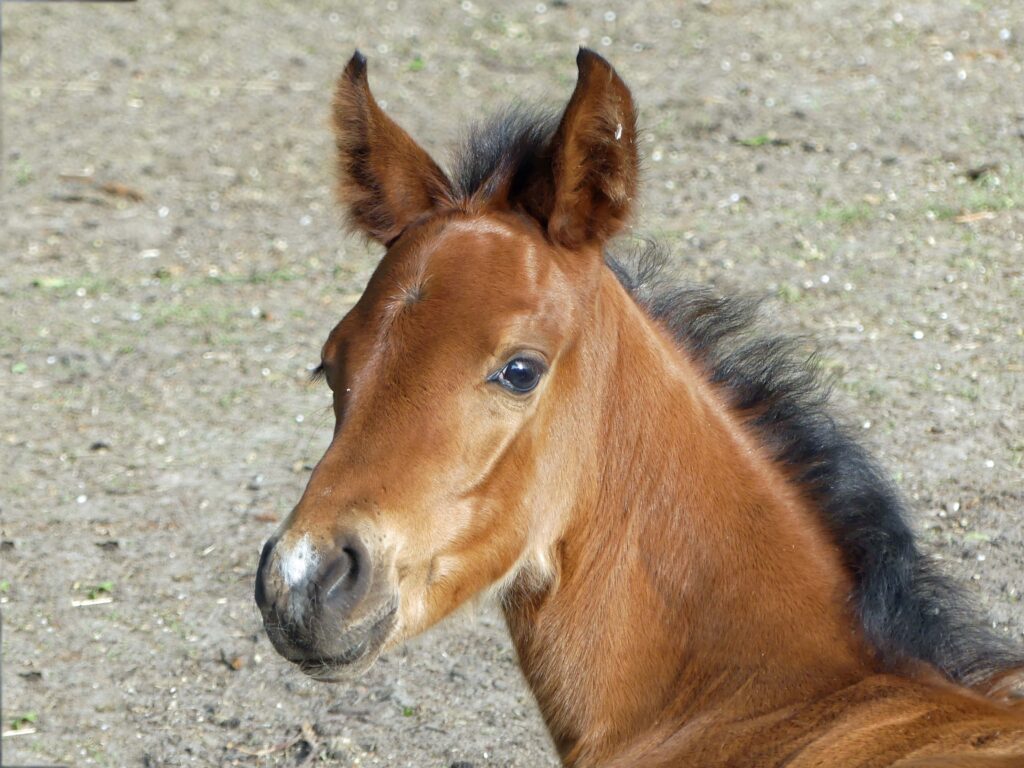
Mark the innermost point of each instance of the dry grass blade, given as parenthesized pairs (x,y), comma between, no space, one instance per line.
(93,601)
(112,188)
(967,218)
(281,747)
(305,735)
(18,732)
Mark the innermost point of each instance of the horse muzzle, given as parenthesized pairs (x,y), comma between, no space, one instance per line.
(326,609)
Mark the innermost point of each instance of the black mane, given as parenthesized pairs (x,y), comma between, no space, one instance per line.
(908,608)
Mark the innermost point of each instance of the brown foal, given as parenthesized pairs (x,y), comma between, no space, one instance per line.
(696,565)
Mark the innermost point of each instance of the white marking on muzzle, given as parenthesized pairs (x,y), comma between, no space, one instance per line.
(298,562)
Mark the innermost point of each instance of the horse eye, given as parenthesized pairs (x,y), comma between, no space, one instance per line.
(520,375)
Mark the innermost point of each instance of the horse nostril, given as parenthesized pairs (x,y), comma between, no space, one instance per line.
(261,589)
(347,579)
(342,575)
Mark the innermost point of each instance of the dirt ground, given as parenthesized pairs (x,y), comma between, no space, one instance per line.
(862,163)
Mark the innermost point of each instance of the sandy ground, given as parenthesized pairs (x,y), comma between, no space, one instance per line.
(862,163)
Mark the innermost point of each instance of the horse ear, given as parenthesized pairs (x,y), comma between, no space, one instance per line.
(385,179)
(594,165)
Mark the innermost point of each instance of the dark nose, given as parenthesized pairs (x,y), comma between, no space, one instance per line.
(326,597)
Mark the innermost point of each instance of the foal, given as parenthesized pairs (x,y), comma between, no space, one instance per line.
(696,565)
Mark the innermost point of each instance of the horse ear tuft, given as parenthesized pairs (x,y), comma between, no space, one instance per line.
(385,179)
(586,194)
(355,70)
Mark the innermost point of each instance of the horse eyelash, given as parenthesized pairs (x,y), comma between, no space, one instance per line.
(317,374)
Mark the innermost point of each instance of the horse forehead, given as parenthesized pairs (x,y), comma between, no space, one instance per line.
(466,263)
(488,251)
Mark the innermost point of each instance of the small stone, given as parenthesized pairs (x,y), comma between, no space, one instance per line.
(337,748)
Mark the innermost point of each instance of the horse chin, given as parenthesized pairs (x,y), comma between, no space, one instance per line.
(355,651)
(332,671)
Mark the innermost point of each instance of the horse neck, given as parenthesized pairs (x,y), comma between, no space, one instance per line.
(692,578)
